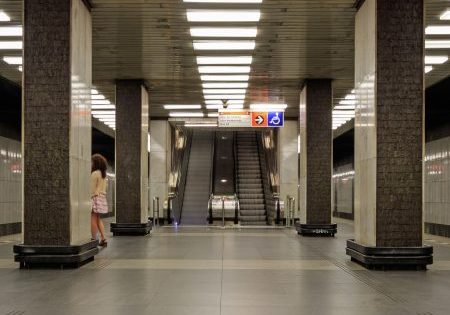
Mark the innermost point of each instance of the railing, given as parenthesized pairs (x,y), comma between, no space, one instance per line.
(290,211)
(223,207)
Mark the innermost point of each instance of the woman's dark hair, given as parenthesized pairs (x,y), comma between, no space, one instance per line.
(99,163)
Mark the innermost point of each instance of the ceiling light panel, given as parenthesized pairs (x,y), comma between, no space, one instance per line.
(238,60)
(182,107)
(437,30)
(428,69)
(268,106)
(100,102)
(225,77)
(223,69)
(435,60)
(219,102)
(224,85)
(223,1)
(103,106)
(437,44)
(242,32)
(224,44)
(186,114)
(11,31)
(4,17)
(445,15)
(225,97)
(224,91)
(11,45)
(12,60)
(223,15)
(230,106)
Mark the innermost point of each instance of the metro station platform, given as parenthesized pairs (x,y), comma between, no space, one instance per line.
(230,272)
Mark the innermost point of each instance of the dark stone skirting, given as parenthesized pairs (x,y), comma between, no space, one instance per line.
(10,228)
(131,229)
(42,256)
(437,229)
(398,258)
(316,229)
(343,215)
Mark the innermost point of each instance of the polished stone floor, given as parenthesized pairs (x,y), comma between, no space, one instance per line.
(200,271)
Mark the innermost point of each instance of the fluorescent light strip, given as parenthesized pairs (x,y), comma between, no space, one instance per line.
(437,30)
(347,102)
(97,97)
(94,92)
(100,102)
(437,44)
(11,45)
(200,125)
(343,107)
(186,114)
(224,91)
(268,106)
(223,85)
(445,15)
(217,32)
(213,114)
(225,97)
(435,60)
(182,106)
(103,107)
(230,106)
(223,69)
(11,31)
(428,69)
(103,112)
(12,60)
(237,60)
(4,17)
(223,15)
(224,45)
(219,102)
(224,1)
(225,77)
(350,97)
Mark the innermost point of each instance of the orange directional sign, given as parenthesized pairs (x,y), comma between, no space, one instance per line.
(259,119)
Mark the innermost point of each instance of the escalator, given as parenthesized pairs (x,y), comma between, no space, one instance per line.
(198,181)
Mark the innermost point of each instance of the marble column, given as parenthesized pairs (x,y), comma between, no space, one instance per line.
(316,141)
(389,135)
(132,130)
(56,134)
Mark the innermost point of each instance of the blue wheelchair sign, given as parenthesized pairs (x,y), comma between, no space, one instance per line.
(275,119)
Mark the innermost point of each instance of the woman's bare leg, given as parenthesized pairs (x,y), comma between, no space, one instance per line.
(101,227)
(94,225)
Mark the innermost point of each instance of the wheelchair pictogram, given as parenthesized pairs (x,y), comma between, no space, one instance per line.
(276,119)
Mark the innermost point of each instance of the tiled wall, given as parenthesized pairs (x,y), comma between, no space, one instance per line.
(10,181)
(437,182)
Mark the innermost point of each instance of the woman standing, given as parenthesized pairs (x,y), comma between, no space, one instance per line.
(98,196)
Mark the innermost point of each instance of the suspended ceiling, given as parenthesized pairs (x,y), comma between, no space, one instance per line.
(297,39)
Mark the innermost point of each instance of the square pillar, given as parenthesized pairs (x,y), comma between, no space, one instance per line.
(316,141)
(132,127)
(389,135)
(56,135)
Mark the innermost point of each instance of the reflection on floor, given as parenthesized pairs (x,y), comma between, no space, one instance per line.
(199,271)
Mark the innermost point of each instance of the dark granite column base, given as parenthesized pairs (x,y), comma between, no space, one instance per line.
(131,229)
(41,256)
(316,229)
(397,258)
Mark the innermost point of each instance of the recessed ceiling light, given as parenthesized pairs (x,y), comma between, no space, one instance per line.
(224,1)
(11,45)
(4,17)
(343,112)
(224,44)
(268,106)
(103,106)
(213,114)
(243,32)
(428,69)
(352,107)
(435,60)
(223,69)
(100,102)
(186,114)
(224,91)
(97,97)
(445,15)
(20,68)
(230,106)
(225,77)
(238,60)
(199,125)
(219,102)
(223,15)
(182,106)
(242,85)
(437,30)
(106,119)
(225,97)
(347,102)
(94,91)
(103,112)
(437,44)
(11,31)
(12,60)
(350,97)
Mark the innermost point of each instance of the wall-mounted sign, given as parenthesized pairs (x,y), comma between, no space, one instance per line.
(248,119)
